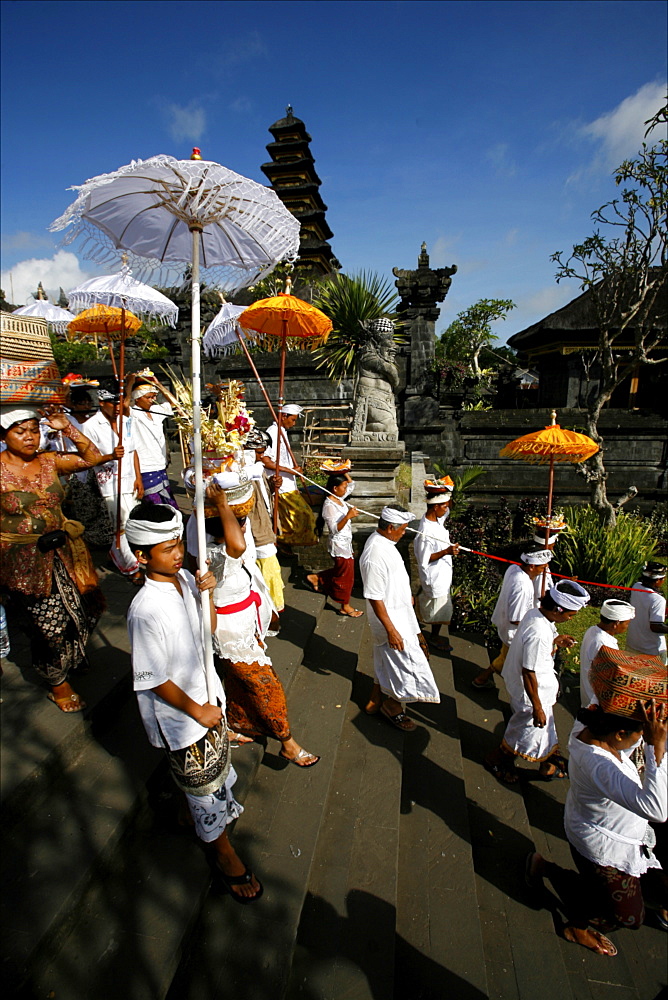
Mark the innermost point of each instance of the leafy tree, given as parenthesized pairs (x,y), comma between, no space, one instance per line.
(71,354)
(624,268)
(471,331)
(350,301)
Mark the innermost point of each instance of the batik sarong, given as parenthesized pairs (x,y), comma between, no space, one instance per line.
(338,581)
(202,767)
(157,488)
(89,508)
(256,700)
(60,625)
(296,519)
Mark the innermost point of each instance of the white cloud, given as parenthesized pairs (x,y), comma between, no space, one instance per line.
(186,122)
(499,156)
(24,240)
(547,300)
(441,252)
(63,270)
(242,105)
(619,133)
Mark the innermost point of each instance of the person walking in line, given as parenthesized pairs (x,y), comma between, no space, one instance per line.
(338,581)
(434,552)
(400,654)
(296,519)
(647,632)
(148,429)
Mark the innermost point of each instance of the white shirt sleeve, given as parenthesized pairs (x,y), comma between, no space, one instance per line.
(537,649)
(519,601)
(376,580)
(657,609)
(148,642)
(649,800)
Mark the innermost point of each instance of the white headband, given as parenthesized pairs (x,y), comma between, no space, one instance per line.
(143,390)
(292,410)
(618,611)
(570,602)
(536,558)
(141,534)
(651,574)
(16,414)
(393,516)
(438,498)
(541,539)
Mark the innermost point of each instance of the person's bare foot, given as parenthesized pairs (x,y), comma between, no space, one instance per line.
(591,939)
(292,751)
(372,706)
(350,611)
(230,864)
(312,579)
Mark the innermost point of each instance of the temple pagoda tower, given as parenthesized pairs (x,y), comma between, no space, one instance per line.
(292,176)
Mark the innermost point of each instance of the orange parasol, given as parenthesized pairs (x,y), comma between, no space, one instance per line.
(552,444)
(280,322)
(114,323)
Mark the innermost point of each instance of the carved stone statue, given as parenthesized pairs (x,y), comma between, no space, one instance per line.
(375,414)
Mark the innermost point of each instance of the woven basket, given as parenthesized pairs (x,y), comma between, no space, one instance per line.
(28,372)
(620,680)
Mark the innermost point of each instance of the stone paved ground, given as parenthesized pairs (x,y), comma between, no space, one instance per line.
(391,870)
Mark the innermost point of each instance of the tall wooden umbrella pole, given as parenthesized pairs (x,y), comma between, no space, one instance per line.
(196,334)
(279,419)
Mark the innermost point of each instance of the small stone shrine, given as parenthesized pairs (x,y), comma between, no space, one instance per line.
(375,449)
(420,291)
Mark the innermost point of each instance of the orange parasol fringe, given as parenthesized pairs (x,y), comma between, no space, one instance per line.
(551,444)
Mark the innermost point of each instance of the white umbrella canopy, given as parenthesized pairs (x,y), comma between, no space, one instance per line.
(220,336)
(122,290)
(168,212)
(56,318)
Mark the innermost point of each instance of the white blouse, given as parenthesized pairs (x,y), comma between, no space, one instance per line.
(435,577)
(340,541)
(608,807)
(592,641)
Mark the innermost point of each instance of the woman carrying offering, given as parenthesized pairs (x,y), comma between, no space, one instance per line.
(433,554)
(607,820)
(45,564)
(338,581)
(255,697)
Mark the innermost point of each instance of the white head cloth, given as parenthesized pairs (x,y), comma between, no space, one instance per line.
(541,539)
(238,489)
(393,516)
(143,390)
(292,410)
(141,534)
(540,558)
(570,602)
(438,498)
(16,414)
(651,574)
(617,611)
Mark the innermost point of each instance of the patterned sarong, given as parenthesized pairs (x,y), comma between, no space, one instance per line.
(255,700)
(296,520)
(157,488)
(202,767)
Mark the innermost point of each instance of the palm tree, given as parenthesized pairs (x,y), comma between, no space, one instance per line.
(350,301)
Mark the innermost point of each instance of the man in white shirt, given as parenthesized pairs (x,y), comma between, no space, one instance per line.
(400,658)
(433,555)
(516,597)
(148,419)
(296,519)
(165,626)
(615,619)
(533,686)
(101,430)
(648,630)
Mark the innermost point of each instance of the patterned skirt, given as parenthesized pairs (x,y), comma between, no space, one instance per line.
(88,507)
(256,703)
(202,768)
(61,623)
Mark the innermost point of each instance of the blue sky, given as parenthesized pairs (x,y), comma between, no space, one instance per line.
(487,129)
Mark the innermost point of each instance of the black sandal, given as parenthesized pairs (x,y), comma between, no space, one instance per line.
(227,881)
(502,773)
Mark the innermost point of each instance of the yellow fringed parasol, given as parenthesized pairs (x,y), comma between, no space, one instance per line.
(280,322)
(552,444)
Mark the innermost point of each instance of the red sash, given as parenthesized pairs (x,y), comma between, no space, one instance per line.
(231,609)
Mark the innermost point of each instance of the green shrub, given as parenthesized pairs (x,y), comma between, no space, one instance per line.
(69,355)
(590,551)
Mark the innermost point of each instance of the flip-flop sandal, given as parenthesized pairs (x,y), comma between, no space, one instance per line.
(70,699)
(486,685)
(501,773)
(560,770)
(300,756)
(399,721)
(350,614)
(312,586)
(601,938)
(227,881)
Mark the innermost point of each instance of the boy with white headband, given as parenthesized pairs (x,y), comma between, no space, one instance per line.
(164,622)
(648,630)
(517,596)
(148,420)
(533,686)
(400,661)
(615,619)
(434,552)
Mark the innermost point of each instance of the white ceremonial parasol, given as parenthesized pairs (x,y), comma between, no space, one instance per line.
(169,212)
(56,318)
(125,292)
(221,336)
